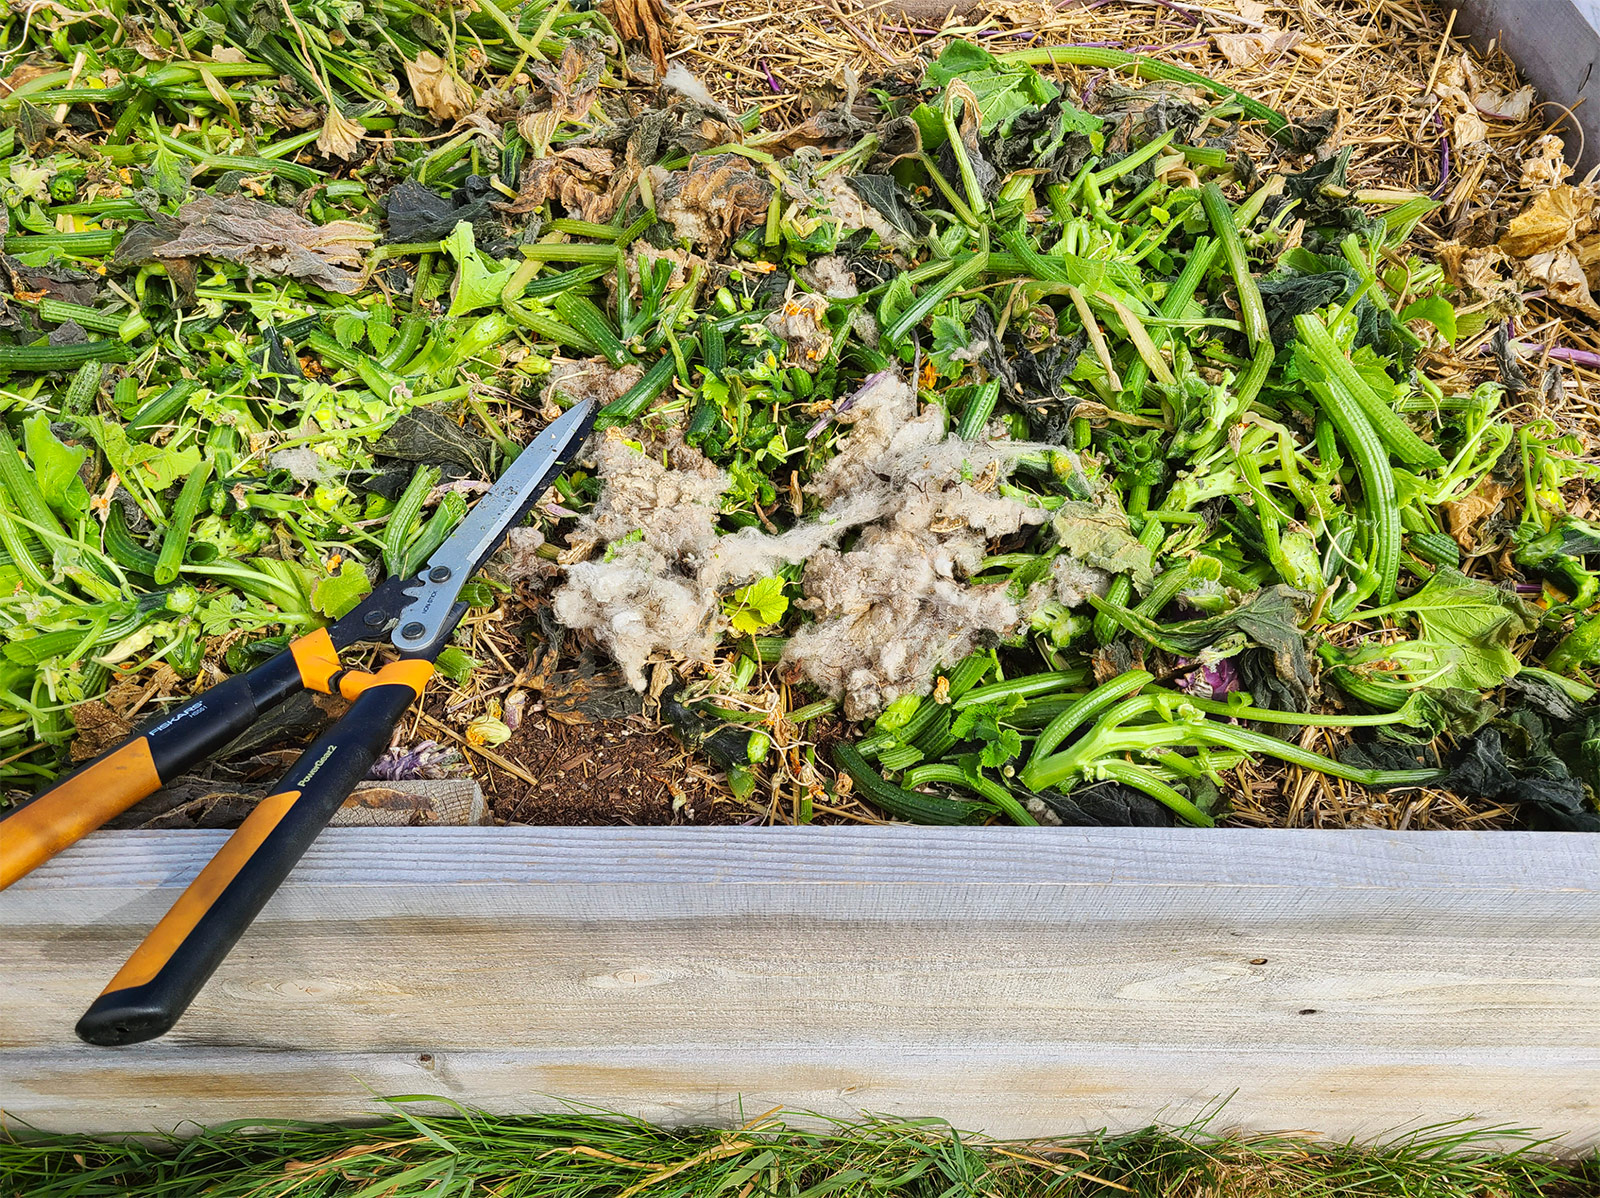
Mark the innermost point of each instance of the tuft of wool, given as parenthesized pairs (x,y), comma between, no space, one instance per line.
(887,612)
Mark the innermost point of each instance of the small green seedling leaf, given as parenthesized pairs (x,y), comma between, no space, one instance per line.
(754,607)
(1437,311)
(336,593)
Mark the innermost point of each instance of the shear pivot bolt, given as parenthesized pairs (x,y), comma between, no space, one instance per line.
(373,619)
(439,574)
(412,631)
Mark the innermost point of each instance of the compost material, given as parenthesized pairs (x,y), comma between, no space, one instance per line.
(1115,413)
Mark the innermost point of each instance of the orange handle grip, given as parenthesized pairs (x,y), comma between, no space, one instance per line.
(162,977)
(75,807)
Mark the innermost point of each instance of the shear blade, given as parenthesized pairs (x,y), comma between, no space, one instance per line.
(435,589)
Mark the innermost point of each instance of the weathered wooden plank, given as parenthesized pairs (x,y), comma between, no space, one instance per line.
(1053,1089)
(1378,976)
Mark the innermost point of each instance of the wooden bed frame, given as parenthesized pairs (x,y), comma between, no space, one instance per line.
(1015,981)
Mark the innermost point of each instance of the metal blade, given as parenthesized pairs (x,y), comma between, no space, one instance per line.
(434,591)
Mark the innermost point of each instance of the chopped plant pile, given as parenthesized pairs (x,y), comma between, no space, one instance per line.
(971,450)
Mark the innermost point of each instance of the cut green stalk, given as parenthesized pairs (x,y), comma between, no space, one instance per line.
(1131,162)
(1393,431)
(1029,687)
(1148,353)
(176,539)
(1070,720)
(1251,308)
(935,295)
(954,775)
(59,312)
(975,416)
(1144,780)
(451,508)
(582,315)
(631,403)
(81,393)
(60,357)
(397,533)
(15,543)
(907,804)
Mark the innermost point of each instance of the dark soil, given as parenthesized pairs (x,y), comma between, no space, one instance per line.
(615,771)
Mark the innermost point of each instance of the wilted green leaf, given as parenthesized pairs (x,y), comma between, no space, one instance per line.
(55,468)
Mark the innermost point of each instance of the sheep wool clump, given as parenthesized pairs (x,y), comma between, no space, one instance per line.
(896,605)
(887,612)
(645,597)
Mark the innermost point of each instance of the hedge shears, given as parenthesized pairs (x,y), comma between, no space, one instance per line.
(416,614)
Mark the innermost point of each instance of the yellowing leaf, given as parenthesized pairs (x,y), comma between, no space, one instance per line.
(758,605)
(1550,219)
(437,89)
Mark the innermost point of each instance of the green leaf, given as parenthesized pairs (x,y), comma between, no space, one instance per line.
(380,327)
(456,664)
(958,59)
(479,283)
(55,468)
(1002,748)
(758,605)
(1467,629)
(1437,311)
(949,340)
(348,327)
(167,175)
(336,593)
(154,468)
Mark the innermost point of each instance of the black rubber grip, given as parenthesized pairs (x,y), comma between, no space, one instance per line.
(164,974)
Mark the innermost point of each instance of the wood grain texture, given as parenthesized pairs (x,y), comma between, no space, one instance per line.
(1013,980)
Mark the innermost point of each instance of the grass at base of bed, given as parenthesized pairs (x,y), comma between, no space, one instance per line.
(583,1153)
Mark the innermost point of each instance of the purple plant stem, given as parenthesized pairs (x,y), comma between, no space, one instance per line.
(1444,157)
(1578,357)
(1187,17)
(772,80)
(845,404)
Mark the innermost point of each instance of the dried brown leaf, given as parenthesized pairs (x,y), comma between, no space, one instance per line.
(1464,517)
(340,136)
(1475,268)
(1561,272)
(574,83)
(644,20)
(437,88)
(575,178)
(713,201)
(1245,49)
(1545,164)
(265,238)
(1500,106)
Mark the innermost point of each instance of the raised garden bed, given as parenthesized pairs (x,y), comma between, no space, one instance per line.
(1018,980)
